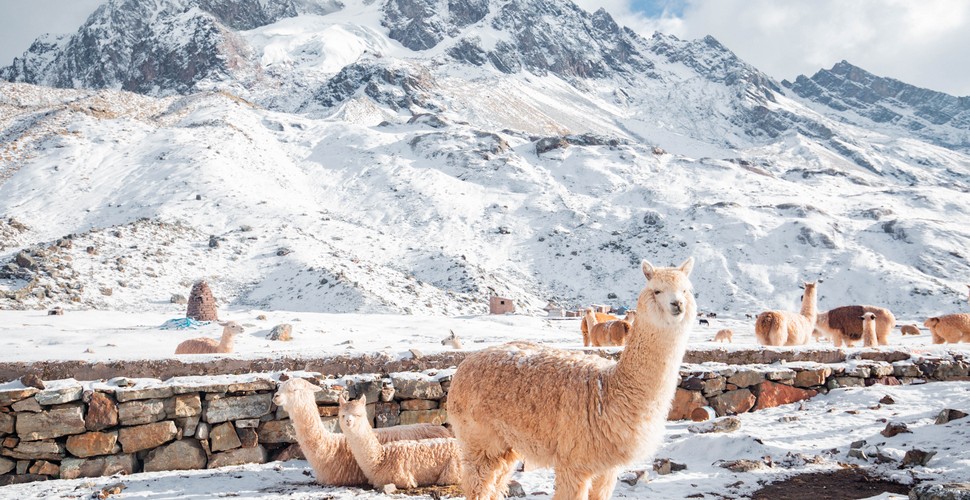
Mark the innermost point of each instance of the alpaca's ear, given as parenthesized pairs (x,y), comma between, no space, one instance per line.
(342,400)
(687,266)
(648,269)
(363,399)
(223,323)
(315,388)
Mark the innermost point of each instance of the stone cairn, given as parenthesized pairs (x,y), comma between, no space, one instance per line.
(202,305)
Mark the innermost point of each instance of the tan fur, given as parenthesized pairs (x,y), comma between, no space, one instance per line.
(869,330)
(203,345)
(909,329)
(452,340)
(331,459)
(405,464)
(788,328)
(607,414)
(844,324)
(724,335)
(950,328)
(607,333)
(584,327)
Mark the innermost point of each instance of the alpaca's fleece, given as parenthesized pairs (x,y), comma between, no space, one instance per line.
(909,329)
(332,462)
(204,345)
(844,324)
(788,328)
(869,330)
(724,335)
(405,464)
(606,414)
(951,328)
(584,327)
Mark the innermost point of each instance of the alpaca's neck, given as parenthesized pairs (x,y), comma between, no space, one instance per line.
(646,374)
(366,448)
(226,343)
(319,445)
(808,304)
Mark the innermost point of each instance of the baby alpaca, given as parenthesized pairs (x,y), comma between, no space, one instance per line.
(869,330)
(204,345)
(950,328)
(910,329)
(405,464)
(328,453)
(724,335)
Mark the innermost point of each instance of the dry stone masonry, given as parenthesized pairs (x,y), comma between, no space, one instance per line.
(72,429)
(202,304)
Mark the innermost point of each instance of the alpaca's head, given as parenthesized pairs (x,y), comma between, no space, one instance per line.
(293,390)
(631,315)
(352,414)
(867,317)
(930,323)
(667,300)
(231,328)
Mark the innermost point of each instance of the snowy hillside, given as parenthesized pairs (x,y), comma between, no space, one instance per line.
(406,156)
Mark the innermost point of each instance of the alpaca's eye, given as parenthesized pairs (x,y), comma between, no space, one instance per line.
(656,292)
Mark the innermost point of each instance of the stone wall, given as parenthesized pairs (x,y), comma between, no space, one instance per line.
(72,429)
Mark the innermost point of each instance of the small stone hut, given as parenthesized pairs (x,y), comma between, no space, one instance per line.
(202,305)
(500,305)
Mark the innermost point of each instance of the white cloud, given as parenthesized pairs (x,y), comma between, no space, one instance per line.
(924,43)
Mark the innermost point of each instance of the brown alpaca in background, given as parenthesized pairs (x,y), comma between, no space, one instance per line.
(785,327)
(844,324)
(405,464)
(909,329)
(332,462)
(204,345)
(869,338)
(607,415)
(607,333)
(724,335)
(584,326)
(950,328)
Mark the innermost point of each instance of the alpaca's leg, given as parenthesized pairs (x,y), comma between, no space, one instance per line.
(777,334)
(602,486)
(571,485)
(504,473)
(482,459)
(837,339)
(937,338)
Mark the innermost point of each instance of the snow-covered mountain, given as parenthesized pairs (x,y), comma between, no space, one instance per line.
(418,155)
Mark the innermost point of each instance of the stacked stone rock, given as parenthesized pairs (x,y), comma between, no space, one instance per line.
(202,305)
(69,432)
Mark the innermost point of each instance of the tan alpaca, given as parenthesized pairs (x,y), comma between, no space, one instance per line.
(607,414)
(951,328)
(452,340)
(607,333)
(405,464)
(909,329)
(332,462)
(785,327)
(844,324)
(724,335)
(584,327)
(631,315)
(869,338)
(204,345)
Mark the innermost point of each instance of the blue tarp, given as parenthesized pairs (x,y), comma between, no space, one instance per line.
(182,324)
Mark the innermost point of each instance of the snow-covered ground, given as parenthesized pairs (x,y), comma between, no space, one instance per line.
(813,436)
(103,335)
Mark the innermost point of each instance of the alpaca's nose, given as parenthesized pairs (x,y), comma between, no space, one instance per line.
(677,307)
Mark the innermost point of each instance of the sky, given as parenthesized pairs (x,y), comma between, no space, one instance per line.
(922,42)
